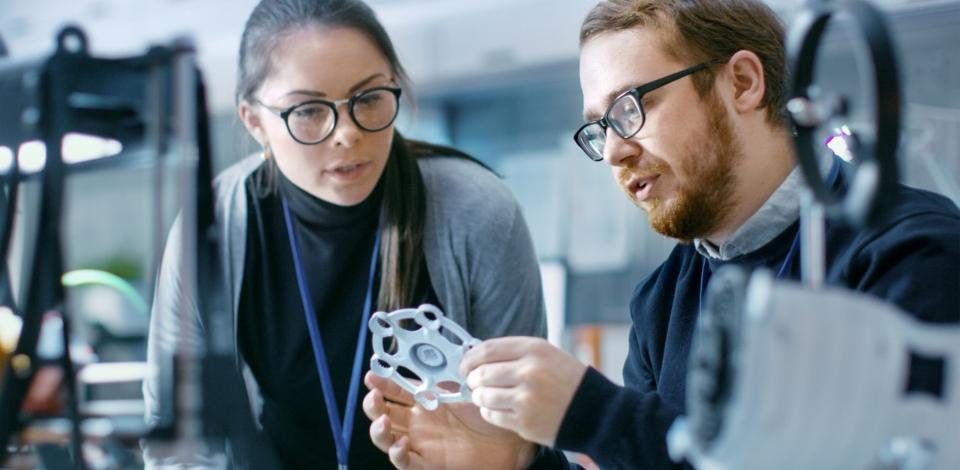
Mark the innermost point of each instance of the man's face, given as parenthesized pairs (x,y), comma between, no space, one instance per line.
(680,167)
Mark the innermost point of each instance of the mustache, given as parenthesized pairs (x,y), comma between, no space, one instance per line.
(625,175)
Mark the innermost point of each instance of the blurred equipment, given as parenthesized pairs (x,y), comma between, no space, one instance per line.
(151,109)
(813,107)
(783,375)
(10,326)
(109,299)
(775,381)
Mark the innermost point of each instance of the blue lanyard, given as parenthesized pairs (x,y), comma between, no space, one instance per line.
(341,434)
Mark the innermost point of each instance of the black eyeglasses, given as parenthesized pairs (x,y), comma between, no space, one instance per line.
(311,122)
(625,115)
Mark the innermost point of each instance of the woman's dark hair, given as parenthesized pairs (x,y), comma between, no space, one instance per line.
(404,202)
(272,21)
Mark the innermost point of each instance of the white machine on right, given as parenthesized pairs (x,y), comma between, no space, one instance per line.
(784,375)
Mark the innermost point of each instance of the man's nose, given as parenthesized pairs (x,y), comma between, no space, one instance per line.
(617,150)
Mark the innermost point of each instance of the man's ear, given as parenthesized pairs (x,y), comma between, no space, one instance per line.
(251,120)
(745,72)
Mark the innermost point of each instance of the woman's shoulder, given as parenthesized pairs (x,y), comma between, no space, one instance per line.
(238,172)
(447,177)
(456,187)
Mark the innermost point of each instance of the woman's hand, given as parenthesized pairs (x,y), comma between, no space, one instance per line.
(454,436)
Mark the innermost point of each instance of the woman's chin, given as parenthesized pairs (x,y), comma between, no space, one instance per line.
(344,196)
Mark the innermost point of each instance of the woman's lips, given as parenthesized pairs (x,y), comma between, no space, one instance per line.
(347,173)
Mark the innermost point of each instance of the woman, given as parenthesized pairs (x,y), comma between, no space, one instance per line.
(341,216)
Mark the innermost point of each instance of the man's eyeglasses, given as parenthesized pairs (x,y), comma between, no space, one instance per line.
(311,122)
(625,115)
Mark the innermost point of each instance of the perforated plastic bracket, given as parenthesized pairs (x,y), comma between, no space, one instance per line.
(419,346)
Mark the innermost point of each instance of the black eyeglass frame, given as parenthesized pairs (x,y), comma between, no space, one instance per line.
(637,94)
(351,101)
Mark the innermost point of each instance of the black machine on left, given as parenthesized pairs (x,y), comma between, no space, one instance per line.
(154,105)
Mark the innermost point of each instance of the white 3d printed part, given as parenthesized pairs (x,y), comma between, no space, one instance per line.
(424,351)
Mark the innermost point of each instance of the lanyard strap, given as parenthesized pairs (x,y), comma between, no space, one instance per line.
(341,433)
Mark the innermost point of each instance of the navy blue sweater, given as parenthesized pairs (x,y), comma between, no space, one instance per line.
(911,260)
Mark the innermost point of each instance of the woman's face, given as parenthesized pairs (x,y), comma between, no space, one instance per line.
(330,64)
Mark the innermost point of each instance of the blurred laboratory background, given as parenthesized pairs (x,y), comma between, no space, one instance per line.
(496,78)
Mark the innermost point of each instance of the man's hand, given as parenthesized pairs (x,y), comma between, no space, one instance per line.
(454,436)
(523,384)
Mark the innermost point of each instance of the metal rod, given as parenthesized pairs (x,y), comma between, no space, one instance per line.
(188,373)
(812,250)
(73,398)
(155,134)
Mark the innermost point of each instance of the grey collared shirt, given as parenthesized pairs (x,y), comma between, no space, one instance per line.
(780,211)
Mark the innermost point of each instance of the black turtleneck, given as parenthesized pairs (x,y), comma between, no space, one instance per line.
(336,244)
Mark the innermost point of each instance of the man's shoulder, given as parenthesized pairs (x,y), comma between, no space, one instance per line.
(911,258)
(915,201)
(915,214)
(662,281)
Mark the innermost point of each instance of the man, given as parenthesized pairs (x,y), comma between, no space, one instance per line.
(684,100)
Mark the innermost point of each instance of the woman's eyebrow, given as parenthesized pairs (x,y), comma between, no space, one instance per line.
(320,94)
(365,82)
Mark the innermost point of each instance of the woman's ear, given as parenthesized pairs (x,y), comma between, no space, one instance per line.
(251,120)
(745,71)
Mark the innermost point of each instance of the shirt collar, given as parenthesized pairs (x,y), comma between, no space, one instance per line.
(780,211)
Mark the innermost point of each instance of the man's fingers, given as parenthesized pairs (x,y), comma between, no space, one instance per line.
(497,350)
(495,398)
(497,374)
(388,388)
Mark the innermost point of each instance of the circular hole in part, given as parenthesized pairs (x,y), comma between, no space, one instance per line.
(72,43)
(452,337)
(449,386)
(380,324)
(72,40)
(390,345)
(428,319)
(427,399)
(409,374)
(381,367)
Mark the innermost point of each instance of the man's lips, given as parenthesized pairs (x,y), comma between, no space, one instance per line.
(642,186)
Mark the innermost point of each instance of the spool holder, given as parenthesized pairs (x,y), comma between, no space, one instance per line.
(425,350)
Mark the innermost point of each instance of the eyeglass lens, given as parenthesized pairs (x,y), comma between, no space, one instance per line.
(372,111)
(626,117)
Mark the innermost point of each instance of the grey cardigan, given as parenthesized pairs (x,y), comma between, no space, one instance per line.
(478,251)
